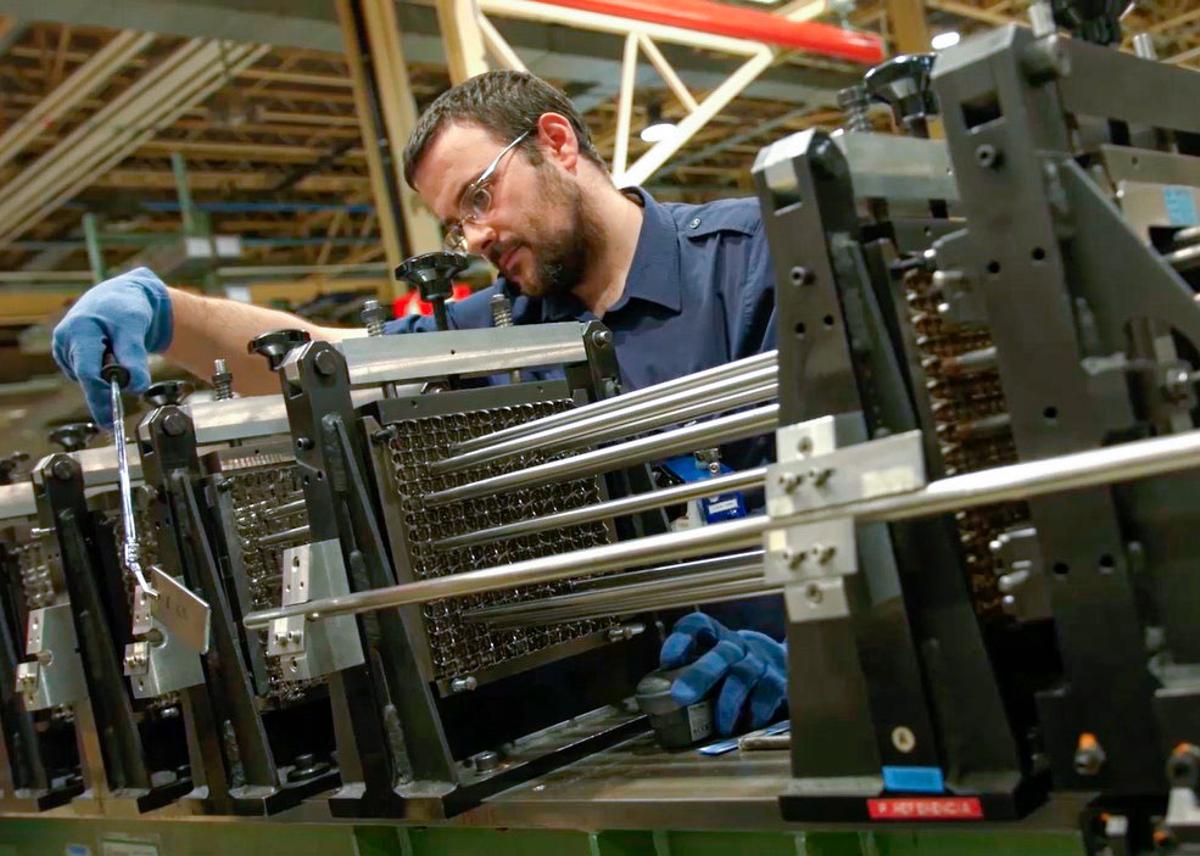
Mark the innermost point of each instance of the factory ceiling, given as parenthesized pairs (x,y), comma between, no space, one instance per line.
(256,97)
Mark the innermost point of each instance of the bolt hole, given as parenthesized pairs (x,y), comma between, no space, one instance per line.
(1038,254)
(1050,413)
(1061,569)
(800,329)
(828,319)
(1107,563)
(1135,160)
(993,267)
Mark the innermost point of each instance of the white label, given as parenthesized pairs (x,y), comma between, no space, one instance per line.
(723,505)
(700,723)
(128,848)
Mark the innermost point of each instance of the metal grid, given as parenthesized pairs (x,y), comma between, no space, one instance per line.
(458,648)
(260,487)
(971,420)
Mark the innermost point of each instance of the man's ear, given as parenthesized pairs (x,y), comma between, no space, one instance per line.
(557,140)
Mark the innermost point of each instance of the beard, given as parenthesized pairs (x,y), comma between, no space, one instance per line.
(562,255)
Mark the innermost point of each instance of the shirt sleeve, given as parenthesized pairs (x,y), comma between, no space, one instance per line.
(468,314)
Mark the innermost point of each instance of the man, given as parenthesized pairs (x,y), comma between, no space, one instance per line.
(507,164)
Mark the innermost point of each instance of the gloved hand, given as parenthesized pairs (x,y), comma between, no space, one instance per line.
(130,313)
(752,665)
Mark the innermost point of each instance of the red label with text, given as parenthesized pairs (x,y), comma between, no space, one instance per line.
(925,808)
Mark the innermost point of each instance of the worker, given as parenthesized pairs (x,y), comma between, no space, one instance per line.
(507,164)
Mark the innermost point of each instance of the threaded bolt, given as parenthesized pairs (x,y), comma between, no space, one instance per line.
(854,102)
(222,380)
(501,311)
(373,316)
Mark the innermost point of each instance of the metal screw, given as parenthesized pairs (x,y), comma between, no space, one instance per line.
(174,424)
(802,276)
(222,381)
(820,475)
(790,481)
(63,469)
(805,445)
(903,738)
(324,363)
(824,552)
(813,594)
(988,156)
(304,443)
(462,685)
(602,337)
(485,761)
(794,558)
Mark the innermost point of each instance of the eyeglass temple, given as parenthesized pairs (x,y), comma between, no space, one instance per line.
(487,173)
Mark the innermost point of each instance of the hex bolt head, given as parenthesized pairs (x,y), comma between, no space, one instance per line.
(62,469)
(903,738)
(794,558)
(174,424)
(790,481)
(304,443)
(600,338)
(813,594)
(325,363)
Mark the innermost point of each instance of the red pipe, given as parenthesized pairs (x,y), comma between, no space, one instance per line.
(723,19)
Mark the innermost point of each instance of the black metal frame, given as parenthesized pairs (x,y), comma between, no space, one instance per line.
(227,728)
(94,581)
(406,738)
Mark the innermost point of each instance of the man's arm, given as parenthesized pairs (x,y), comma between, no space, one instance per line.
(208,328)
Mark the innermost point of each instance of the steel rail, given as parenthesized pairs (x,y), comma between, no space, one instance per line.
(612,508)
(735,426)
(1092,468)
(620,402)
(750,388)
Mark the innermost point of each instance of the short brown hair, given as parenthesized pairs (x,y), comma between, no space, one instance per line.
(506,103)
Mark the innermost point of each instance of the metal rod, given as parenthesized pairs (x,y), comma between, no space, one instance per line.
(1185,259)
(612,508)
(131,548)
(614,596)
(736,426)
(729,590)
(285,535)
(294,507)
(620,402)
(676,407)
(1092,468)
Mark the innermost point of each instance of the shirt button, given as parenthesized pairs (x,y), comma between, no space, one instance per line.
(695,223)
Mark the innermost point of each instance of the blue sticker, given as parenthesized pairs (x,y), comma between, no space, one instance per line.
(918,780)
(1180,204)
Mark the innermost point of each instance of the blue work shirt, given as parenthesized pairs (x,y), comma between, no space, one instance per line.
(700,292)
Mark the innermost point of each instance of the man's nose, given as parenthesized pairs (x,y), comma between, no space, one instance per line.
(479,237)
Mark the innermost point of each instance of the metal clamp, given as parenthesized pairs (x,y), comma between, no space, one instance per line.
(310,649)
(810,559)
(55,676)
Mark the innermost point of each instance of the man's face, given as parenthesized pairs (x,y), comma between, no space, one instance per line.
(536,230)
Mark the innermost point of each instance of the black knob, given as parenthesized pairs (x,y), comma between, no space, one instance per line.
(9,466)
(74,435)
(903,84)
(167,392)
(276,344)
(433,275)
(111,370)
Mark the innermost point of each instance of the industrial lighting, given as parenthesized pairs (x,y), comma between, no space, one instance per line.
(945,40)
(657,129)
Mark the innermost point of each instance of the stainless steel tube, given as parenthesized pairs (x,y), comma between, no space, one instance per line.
(620,402)
(293,507)
(613,508)
(1095,467)
(615,596)
(719,591)
(735,426)
(665,410)
(724,562)
(285,535)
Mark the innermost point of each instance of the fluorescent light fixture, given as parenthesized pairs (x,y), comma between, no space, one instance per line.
(945,40)
(657,129)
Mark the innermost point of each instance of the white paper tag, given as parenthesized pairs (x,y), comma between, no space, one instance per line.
(700,720)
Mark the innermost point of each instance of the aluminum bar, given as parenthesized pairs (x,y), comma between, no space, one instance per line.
(736,426)
(621,402)
(1092,468)
(285,535)
(615,596)
(612,508)
(677,407)
(731,590)
(723,562)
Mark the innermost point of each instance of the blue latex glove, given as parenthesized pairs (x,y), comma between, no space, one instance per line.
(751,665)
(130,313)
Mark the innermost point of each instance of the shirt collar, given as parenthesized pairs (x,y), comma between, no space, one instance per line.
(654,274)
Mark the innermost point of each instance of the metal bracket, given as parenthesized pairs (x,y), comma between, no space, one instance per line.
(161,664)
(55,677)
(810,560)
(310,649)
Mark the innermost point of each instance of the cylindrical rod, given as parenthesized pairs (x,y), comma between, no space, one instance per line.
(614,596)
(620,402)
(735,426)
(1138,459)
(666,410)
(293,507)
(285,535)
(612,508)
